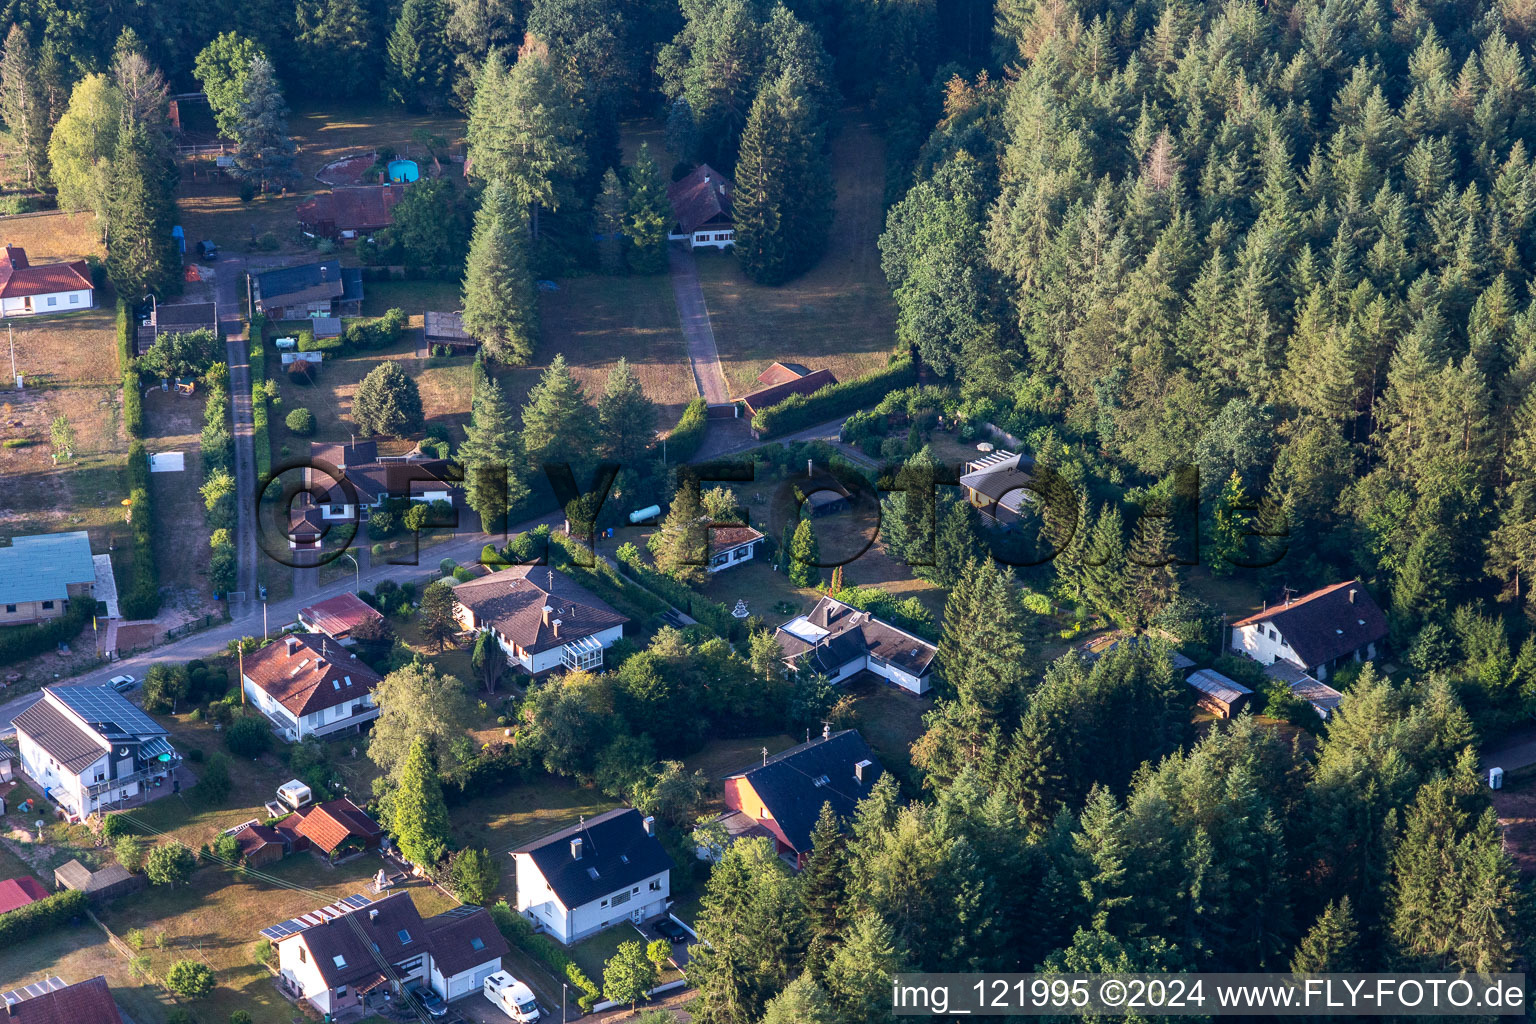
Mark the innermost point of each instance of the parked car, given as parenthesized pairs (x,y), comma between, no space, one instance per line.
(430,1001)
(672,931)
(207,251)
(122,684)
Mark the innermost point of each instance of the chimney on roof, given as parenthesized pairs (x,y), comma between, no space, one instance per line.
(576,848)
(373,915)
(860,768)
(556,627)
(319,663)
(650,825)
(547,610)
(293,645)
(1351,595)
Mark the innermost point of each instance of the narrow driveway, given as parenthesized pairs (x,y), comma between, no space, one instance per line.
(694,316)
(229,279)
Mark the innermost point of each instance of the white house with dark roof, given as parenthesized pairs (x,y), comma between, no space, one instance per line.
(309,685)
(601,872)
(539,617)
(91,748)
(1315,632)
(367,481)
(732,545)
(701,209)
(996,485)
(839,641)
(40,573)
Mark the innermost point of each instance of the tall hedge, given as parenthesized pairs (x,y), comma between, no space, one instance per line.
(140,599)
(684,441)
(601,578)
(18,643)
(711,614)
(800,411)
(39,918)
(133,398)
(261,436)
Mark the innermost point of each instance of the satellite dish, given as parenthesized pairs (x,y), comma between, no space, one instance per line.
(122,751)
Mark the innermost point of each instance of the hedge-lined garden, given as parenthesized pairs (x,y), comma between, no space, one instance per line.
(800,411)
(20,642)
(519,932)
(709,613)
(39,918)
(140,599)
(684,441)
(133,398)
(261,437)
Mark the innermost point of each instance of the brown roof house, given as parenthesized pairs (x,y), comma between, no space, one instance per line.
(356,480)
(27,290)
(347,213)
(324,288)
(701,209)
(1315,632)
(447,329)
(839,641)
(541,619)
(351,960)
(53,1002)
(732,545)
(261,844)
(806,384)
(338,616)
(309,685)
(335,828)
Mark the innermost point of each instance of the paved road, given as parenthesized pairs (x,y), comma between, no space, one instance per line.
(229,278)
(1517,750)
(694,316)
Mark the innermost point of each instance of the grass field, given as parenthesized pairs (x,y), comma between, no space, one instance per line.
(520,814)
(172,423)
(81,952)
(724,755)
(839,315)
(54,236)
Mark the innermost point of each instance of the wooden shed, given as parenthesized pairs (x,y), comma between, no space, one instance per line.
(447,329)
(107,884)
(1219,695)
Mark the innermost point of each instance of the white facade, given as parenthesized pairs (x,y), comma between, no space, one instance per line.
(297,967)
(1265,644)
(537,901)
(318,723)
(51,302)
(72,791)
(543,661)
(708,238)
(456,986)
(732,556)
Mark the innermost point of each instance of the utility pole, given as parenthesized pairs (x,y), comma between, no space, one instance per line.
(12,331)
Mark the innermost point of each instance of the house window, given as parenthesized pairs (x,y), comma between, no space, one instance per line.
(339,960)
(302,957)
(341,991)
(47,604)
(10,609)
(1271,634)
(603,904)
(635,891)
(476,944)
(655,885)
(52,301)
(338,510)
(74,300)
(620,899)
(405,937)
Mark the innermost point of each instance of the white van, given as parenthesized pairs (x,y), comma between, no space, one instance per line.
(513,997)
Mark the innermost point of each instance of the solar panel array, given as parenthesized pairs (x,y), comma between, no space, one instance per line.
(294,925)
(37,988)
(103,706)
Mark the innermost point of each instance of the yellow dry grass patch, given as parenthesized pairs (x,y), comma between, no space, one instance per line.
(53,236)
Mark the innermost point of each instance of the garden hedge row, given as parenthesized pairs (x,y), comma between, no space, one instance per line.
(141,597)
(684,441)
(604,581)
(21,642)
(800,411)
(517,930)
(711,614)
(261,436)
(39,918)
(133,398)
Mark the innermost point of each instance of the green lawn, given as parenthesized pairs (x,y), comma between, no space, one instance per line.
(519,814)
(726,754)
(890,720)
(839,315)
(81,952)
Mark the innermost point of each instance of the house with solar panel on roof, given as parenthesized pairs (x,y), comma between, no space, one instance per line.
(91,749)
(309,685)
(40,574)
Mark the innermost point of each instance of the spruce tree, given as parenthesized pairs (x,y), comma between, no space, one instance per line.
(783,200)
(980,658)
(859,976)
(1105,574)
(626,417)
(23,106)
(337,44)
(419,62)
(648,216)
(1230,527)
(681,545)
(1331,945)
(1154,579)
(141,254)
(500,305)
(804,554)
(801,1002)
(387,402)
(492,457)
(558,424)
(608,223)
(265,156)
(417,816)
(823,890)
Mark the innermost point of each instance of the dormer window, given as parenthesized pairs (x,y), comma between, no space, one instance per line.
(339,960)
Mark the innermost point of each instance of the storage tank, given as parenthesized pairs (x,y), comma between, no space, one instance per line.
(649,512)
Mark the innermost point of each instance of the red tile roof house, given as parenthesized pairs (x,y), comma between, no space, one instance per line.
(89,1002)
(1315,632)
(540,619)
(336,828)
(26,290)
(338,616)
(18,892)
(701,209)
(346,213)
(308,685)
(340,965)
(732,545)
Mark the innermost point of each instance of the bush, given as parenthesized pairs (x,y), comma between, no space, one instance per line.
(301,421)
(262,440)
(39,918)
(247,191)
(133,399)
(710,614)
(21,642)
(380,333)
(684,441)
(800,411)
(189,978)
(141,597)
(519,932)
(15,442)
(248,737)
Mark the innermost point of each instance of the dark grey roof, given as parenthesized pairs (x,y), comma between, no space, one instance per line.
(838,633)
(1214,684)
(351,284)
(1327,623)
(60,736)
(795,784)
(616,852)
(186,315)
(324,279)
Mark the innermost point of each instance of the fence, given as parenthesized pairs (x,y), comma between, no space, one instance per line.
(129,953)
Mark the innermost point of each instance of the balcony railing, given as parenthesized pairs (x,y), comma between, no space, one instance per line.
(107,785)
